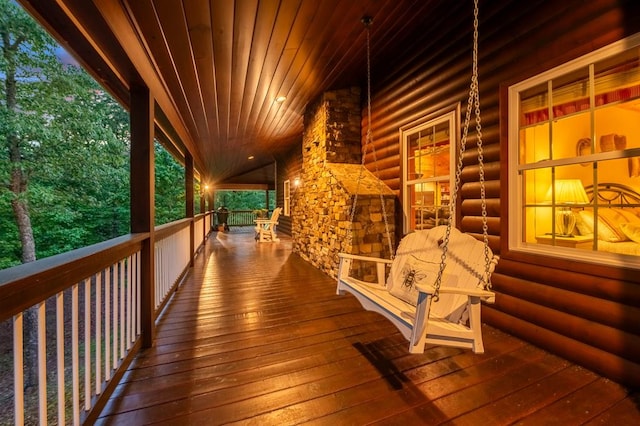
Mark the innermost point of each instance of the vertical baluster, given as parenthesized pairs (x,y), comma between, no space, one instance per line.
(42,363)
(18,369)
(98,333)
(162,274)
(139,305)
(60,356)
(129,292)
(134,298)
(107,324)
(162,278)
(116,275)
(122,305)
(75,359)
(157,268)
(87,344)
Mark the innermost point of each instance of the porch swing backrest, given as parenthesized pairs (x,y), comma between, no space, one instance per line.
(417,263)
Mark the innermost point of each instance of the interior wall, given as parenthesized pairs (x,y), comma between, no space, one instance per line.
(588,314)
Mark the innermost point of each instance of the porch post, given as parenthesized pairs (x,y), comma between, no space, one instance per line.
(188,185)
(142,176)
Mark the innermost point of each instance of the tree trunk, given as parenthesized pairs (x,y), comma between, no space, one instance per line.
(30,317)
(21,215)
(18,186)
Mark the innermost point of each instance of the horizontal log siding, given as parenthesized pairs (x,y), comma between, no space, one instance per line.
(288,166)
(586,313)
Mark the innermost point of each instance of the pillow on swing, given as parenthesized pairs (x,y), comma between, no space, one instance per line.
(418,261)
(413,271)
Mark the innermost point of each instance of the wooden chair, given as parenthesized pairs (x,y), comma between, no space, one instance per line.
(266,228)
(406,297)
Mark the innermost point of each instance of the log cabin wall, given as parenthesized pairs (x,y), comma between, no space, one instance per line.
(586,313)
(289,167)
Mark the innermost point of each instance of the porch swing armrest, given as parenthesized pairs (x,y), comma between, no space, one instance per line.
(485,295)
(345,265)
(364,258)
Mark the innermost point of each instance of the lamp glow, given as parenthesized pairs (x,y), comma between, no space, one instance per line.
(568,194)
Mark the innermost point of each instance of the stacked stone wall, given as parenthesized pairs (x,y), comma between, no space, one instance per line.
(321,205)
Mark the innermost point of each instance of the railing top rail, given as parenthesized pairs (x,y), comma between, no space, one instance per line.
(164,231)
(24,285)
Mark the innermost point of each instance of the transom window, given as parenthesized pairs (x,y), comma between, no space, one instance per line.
(574,135)
(429,154)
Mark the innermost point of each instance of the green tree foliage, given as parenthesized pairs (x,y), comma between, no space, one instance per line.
(244,200)
(64,151)
(170,191)
(64,146)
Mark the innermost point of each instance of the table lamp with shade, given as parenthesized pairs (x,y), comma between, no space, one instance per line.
(568,192)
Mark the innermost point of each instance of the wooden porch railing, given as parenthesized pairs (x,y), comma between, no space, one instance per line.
(85,307)
(241,218)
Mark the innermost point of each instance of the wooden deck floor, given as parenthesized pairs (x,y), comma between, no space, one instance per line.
(257,336)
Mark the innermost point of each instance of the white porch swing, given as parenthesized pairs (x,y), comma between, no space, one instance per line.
(439,276)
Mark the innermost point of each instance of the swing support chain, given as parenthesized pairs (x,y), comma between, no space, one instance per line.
(473,103)
(367,21)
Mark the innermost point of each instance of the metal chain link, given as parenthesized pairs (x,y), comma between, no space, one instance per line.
(369,142)
(473,103)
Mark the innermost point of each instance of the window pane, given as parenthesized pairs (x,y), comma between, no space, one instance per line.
(617,126)
(571,112)
(534,105)
(617,79)
(579,160)
(429,204)
(534,143)
(429,150)
(570,93)
(536,184)
(569,134)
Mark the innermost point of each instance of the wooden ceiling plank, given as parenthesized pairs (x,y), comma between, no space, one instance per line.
(246,13)
(264,23)
(250,51)
(119,22)
(279,35)
(307,84)
(224,41)
(222,13)
(297,82)
(199,34)
(385,37)
(176,37)
(155,40)
(198,19)
(352,61)
(295,43)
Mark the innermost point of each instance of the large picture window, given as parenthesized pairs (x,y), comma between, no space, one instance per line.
(429,151)
(574,135)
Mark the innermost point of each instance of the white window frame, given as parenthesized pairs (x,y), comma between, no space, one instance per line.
(515,182)
(451,114)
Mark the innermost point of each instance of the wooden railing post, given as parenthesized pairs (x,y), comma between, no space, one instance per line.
(142,201)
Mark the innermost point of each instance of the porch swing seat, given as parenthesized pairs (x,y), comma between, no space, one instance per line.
(406,296)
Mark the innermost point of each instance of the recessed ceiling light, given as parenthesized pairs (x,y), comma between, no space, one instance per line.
(281,99)
(250,157)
